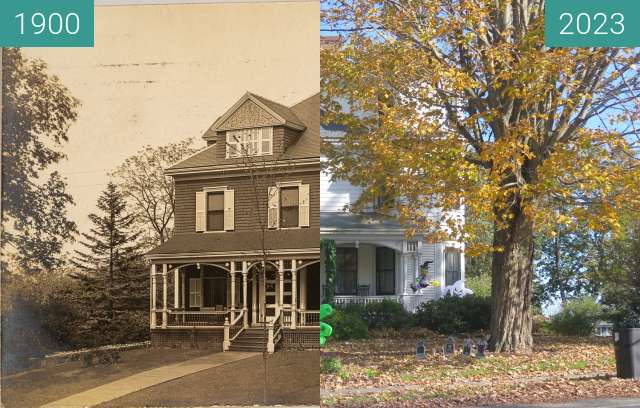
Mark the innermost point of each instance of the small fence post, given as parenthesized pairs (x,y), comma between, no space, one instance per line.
(226,343)
(270,345)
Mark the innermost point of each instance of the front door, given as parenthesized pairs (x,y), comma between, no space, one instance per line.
(270,295)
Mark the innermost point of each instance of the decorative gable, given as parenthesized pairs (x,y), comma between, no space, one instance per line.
(249,115)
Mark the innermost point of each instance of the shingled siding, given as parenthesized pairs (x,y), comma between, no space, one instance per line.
(245,213)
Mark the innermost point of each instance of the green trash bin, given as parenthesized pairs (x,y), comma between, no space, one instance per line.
(626,343)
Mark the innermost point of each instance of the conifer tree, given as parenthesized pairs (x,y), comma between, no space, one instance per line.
(112,273)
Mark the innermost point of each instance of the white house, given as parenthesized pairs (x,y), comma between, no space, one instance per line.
(374,259)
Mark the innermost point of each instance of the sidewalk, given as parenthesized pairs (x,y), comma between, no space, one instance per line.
(145,379)
(599,403)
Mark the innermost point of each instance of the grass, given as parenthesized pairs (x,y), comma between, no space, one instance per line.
(36,387)
(292,379)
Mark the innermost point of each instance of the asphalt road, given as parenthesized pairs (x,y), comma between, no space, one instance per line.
(603,403)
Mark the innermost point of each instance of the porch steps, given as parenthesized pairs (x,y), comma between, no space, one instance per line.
(253,339)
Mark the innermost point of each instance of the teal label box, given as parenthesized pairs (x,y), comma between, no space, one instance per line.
(46,23)
(592,23)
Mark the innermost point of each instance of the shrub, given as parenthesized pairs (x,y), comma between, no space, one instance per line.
(450,314)
(578,317)
(387,313)
(480,285)
(347,325)
(330,365)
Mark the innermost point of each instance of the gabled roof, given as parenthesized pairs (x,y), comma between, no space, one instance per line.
(306,112)
(280,114)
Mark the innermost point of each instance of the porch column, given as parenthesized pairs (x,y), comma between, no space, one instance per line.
(303,295)
(254,296)
(176,288)
(294,290)
(263,287)
(153,296)
(233,290)
(164,295)
(184,291)
(281,283)
(245,310)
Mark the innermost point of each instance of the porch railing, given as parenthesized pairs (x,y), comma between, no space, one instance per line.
(308,317)
(275,333)
(232,330)
(364,300)
(188,318)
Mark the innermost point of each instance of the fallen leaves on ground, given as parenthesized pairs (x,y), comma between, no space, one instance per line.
(384,371)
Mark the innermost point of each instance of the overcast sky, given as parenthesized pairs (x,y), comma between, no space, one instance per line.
(160,74)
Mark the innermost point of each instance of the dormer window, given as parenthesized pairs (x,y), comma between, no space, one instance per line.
(249,142)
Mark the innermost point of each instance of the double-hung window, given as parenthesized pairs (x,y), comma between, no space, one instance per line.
(249,142)
(289,207)
(452,266)
(215,211)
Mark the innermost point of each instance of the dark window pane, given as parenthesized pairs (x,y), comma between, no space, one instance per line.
(215,292)
(346,271)
(452,267)
(385,271)
(215,221)
(289,217)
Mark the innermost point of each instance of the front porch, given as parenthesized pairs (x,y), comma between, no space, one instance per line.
(212,304)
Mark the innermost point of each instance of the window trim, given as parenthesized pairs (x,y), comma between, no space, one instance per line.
(209,211)
(356,271)
(206,191)
(284,184)
(378,291)
(260,138)
(458,272)
(281,207)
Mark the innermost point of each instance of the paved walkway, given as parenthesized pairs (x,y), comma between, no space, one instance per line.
(145,379)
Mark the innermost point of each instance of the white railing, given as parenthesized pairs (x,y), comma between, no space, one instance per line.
(232,330)
(275,332)
(364,300)
(186,318)
(309,317)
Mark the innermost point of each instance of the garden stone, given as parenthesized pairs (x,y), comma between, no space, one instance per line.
(467,345)
(449,347)
(481,348)
(421,350)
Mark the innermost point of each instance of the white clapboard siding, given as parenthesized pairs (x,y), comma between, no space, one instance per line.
(274,207)
(201,211)
(303,205)
(229,209)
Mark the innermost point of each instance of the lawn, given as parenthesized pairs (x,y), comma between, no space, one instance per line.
(292,379)
(384,371)
(36,387)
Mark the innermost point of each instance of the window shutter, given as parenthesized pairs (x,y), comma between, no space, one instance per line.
(229,204)
(201,211)
(273,212)
(303,205)
(195,292)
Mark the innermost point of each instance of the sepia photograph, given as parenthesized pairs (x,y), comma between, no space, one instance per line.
(160,209)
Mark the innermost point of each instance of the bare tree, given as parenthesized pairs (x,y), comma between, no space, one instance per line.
(151,193)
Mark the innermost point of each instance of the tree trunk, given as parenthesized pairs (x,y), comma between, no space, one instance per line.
(512,285)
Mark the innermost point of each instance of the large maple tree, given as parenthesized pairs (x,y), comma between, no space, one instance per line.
(459,101)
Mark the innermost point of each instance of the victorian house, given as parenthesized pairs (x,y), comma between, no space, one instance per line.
(375,260)
(242,270)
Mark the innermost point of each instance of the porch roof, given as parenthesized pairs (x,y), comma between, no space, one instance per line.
(237,241)
(349,221)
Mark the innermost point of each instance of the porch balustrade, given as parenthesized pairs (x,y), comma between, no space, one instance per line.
(309,318)
(232,330)
(364,300)
(184,318)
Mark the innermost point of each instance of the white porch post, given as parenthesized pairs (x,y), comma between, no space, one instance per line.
(263,287)
(303,295)
(184,291)
(233,290)
(164,295)
(176,288)
(280,284)
(294,290)
(245,317)
(153,296)
(254,296)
